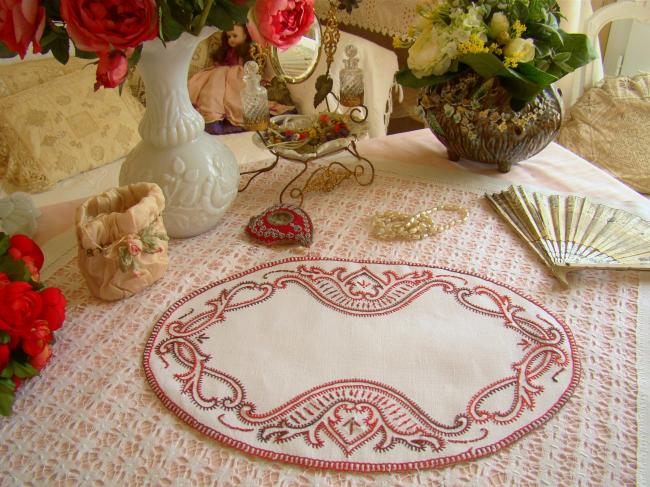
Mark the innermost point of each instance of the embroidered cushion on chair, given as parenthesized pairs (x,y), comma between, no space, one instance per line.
(609,126)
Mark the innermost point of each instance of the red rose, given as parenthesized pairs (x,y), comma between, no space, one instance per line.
(21,24)
(39,361)
(4,280)
(36,338)
(21,247)
(280,22)
(19,305)
(111,69)
(53,307)
(5,355)
(107,25)
(18,381)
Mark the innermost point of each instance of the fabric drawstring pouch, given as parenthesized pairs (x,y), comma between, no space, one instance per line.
(122,240)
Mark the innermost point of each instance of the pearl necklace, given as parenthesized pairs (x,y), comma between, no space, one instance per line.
(393,225)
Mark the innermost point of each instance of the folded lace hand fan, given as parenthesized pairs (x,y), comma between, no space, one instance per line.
(571,232)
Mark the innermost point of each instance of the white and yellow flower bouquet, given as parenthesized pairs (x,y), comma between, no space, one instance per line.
(517,41)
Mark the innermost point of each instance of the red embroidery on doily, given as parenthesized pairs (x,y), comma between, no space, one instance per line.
(354,413)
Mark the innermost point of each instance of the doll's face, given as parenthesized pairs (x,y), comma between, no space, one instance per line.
(237,36)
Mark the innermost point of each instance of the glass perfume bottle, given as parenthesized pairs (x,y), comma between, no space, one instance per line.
(351,78)
(255,103)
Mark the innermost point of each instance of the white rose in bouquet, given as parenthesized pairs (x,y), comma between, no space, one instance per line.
(523,50)
(498,25)
(429,54)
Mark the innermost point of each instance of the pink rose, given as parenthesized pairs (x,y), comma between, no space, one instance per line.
(133,247)
(280,22)
(21,24)
(111,69)
(108,25)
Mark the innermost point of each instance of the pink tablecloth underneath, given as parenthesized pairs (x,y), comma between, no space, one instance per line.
(91,417)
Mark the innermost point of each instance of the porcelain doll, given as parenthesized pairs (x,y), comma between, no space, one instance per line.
(215,91)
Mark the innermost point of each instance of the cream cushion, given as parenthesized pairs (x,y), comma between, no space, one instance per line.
(23,75)
(62,127)
(610,126)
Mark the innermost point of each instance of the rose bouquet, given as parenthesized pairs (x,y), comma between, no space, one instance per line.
(517,42)
(112,31)
(29,314)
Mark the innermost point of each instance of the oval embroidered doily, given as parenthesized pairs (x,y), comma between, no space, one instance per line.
(361,366)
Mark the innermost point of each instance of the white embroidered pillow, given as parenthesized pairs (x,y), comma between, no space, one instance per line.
(62,127)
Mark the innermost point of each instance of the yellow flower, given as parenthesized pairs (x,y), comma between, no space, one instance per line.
(494,48)
(518,28)
(402,42)
(512,61)
(474,45)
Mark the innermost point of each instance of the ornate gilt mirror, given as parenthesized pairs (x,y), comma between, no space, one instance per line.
(297,63)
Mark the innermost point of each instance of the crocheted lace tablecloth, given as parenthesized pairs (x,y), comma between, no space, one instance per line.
(92,418)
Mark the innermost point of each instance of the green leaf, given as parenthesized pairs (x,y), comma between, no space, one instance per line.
(520,12)
(521,90)
(61,49)
(485,64)
(5,52)
(6,403)
(582,52)
(135,57)
(4,337)
(537,11)
(7,385)
(405,77)
(24,371)
(219,17)
(555,70)
(488,65)
(324,85)
(562,57)
(535,75)
(542,48)
(85,54)
(4,243)
(7,372)
(48,38)
(546,32)
(566,68)
(15,269)
(238,13)
(169,28)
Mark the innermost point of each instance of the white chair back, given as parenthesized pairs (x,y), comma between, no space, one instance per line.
(588,76)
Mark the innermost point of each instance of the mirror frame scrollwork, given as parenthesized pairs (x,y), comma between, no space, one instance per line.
(273,54)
